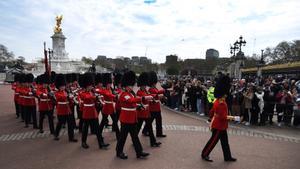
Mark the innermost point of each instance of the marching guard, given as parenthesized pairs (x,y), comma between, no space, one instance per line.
(128,116)
(143,112)
(154,105)
(109,104)
(45,103)
(62,108)
(219,122)
(89,113)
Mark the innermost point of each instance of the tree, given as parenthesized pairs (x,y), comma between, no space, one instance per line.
(86,60)
(5,55)
(172,70)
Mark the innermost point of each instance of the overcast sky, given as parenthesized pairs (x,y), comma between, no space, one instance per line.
(133,27)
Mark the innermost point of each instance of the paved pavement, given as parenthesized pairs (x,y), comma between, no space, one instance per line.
(254,147)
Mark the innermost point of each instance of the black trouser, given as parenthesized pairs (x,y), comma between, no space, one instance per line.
(22,111)
(73,115)
(254,115)
(287,117)
(62,119)
(114,123)
(263,117)
(269,109)
(215,137)
(148,125)
(17,109)
(94,126)
(158,121)
(48,113)
(79,116)
(30,112)
(280,109)
(132,129)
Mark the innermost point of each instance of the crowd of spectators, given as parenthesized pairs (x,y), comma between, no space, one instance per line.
(257,101)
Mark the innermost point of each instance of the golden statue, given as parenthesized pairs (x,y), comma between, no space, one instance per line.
(57,28)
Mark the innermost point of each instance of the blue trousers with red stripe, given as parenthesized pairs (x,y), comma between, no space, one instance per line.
(215,137)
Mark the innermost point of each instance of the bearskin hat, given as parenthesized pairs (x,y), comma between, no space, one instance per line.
(81,80)
(53,75)
(106,79)
(17,77)
(38,79)
(143,79)
(222,86)
(89,79)
(22,78)
(74,77)
(45,78)
(60,80)
(117,79)
(98,78)
(29,78)
(128,79)
(69,78)
(152,78)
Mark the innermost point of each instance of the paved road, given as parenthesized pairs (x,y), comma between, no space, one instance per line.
(268,147)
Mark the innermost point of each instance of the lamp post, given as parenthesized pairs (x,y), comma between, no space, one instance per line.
(50,52)
(239,56)
(260,63)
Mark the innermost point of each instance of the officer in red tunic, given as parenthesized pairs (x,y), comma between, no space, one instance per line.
(70,78)
(219,122)
(21,96)
(143,112)
(46,104)
(128,116)
(98,90)
(62,108)
(117,91)
(109,104)
(89,114)
(154,105)
(29,101)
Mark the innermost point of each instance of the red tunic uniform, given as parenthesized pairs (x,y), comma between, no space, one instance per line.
(45,103)
(16,87)
(154,106)
(108,107)
(143,113)
(21,96)
(62,103)
(89,109)
(219,113)
(128,103)
(29,99)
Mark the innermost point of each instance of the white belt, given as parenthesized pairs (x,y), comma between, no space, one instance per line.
(128,109)
(88,105)
(28,97)
(44,100)
(62,102)
(145,105)
(156,101)
(17,93)
(108,102)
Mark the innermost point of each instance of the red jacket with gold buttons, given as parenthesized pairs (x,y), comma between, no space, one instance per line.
(144,112)
(45,102)
(154,106)
(108,107)
(62,103)
(219,114)
(128,103)
(89,109)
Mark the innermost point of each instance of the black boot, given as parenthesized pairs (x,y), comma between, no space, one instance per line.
(156,144)
(142,155)
(122,156)
(84,145)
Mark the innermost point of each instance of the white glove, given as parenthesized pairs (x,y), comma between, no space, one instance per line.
(237,118)
(148,97)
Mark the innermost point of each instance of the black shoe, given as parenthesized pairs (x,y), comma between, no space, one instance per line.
(157,144)
(122,156)
(142,155)
(103,145)
(56,138)
(41,131)
(73,140)
(207,159)
(231,159)
(161,135)
(35,127)
(84,145)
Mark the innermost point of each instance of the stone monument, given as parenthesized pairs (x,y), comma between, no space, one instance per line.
(59,60)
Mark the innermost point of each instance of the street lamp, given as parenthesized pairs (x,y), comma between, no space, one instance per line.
(50,52)
(260,63)
(239,56)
